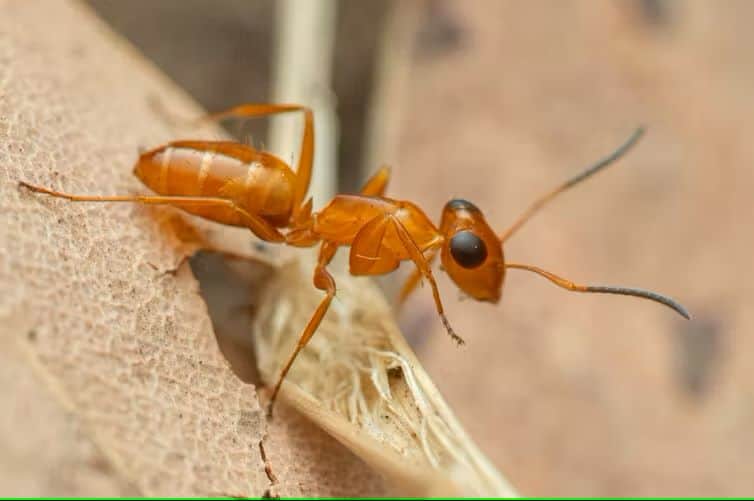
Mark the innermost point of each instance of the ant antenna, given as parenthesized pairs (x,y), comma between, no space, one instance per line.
(538,204)
(605,289)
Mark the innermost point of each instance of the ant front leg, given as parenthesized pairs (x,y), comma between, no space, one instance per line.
(376,186)
(424,268)
(414,279)
(322,281)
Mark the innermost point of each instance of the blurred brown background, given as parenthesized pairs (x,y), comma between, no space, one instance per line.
(497,102)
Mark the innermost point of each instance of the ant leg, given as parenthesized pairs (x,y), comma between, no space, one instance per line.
(376,185)
(413,280)
(322,281)
(426,270)
(257,225)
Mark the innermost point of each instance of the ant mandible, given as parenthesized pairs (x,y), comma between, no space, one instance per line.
(235,184)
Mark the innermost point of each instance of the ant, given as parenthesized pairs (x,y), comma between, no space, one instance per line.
(235,184)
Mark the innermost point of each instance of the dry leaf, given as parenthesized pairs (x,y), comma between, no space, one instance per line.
(126,367)
(95,300)
(360,381)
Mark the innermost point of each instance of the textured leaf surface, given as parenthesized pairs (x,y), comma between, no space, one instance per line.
(113,382)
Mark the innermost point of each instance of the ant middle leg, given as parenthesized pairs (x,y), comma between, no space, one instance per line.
(322,281)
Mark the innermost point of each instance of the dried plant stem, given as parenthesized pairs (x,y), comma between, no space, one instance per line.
(305,38)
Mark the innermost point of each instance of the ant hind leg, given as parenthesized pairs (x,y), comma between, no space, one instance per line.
(256,224)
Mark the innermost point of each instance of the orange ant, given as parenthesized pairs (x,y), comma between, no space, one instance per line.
(235,184)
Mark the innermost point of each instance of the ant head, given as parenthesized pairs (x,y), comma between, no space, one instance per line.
(472,253)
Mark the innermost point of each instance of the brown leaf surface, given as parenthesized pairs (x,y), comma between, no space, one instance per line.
(128,392)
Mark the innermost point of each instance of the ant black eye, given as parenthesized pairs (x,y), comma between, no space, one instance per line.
(461,204)
(467,249)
